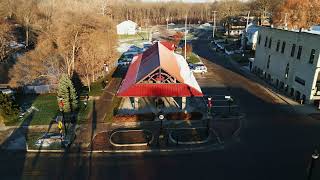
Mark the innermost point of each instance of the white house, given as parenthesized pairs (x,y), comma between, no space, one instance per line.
(250,36)
(127,27)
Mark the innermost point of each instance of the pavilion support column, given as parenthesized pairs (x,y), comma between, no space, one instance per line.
(184,103)
(136,103)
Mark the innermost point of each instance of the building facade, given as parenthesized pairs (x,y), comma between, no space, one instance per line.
(289,60)
(127,28)
(250,37)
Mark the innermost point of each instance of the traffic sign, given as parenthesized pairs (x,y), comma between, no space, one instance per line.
(60,125)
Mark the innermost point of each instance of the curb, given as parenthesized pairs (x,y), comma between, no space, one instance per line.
(216,146)
(263,84)
(212,147)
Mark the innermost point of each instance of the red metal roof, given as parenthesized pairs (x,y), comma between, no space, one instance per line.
(158,56)
(168,45)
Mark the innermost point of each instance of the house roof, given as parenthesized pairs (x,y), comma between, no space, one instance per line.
(127,22)
(156,60)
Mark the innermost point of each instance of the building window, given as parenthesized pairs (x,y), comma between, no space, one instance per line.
(268,63)
(283,47)
(278,45)
(312,55)
(266,42)
(299,52)
(270,42)
(287,71)
(259,39)
(293,49)
(300,81)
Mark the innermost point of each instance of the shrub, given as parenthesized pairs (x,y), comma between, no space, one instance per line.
(8,107)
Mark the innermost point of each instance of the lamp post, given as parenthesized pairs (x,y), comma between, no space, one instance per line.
(161,117)
(230,100)
(209,105)
(314,157)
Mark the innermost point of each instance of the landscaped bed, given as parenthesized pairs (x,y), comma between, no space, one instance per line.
(131,137)
(134,117)
(190,135)
(151,117)
(193,58)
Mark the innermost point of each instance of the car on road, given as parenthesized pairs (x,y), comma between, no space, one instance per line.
(198,68)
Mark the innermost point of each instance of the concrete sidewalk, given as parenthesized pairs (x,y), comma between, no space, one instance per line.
(304,109)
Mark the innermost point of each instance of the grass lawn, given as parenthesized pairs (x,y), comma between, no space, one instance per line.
(98,86)
(10,121)
(112,111)
(192,58)
(48,109)
(84,111)
(141,35)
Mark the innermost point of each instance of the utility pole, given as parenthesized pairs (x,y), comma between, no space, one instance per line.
(185,37)
(244,39)
(248,21)
(214,24)
(167,23)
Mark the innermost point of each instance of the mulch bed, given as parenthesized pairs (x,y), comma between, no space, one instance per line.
(131,137)
(189,135)
(134,117)
(151,117)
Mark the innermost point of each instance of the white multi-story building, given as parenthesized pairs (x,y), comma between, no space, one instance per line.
(290,61)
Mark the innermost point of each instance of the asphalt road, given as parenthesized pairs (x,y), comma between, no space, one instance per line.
(275,143)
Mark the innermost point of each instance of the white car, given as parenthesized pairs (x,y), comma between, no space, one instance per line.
(198,68)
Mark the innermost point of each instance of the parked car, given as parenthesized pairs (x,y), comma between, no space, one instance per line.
(124,62)
(7,91)
(198,68)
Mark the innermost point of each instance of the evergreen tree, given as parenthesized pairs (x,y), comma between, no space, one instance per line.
(67,93)
(8,107)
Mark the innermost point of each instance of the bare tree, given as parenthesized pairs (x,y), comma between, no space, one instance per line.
(6,37)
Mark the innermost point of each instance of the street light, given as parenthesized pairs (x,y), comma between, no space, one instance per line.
(209,105)
(314,156)
(230,100)
(161,117)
